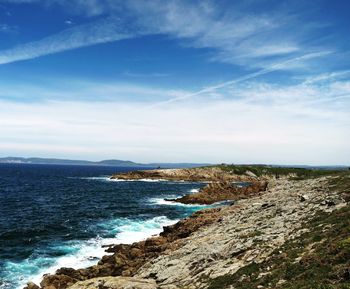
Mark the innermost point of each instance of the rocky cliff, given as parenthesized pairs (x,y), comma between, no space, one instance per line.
(203,174)
(223,191)
(249,231)
(223,185)
(224,247)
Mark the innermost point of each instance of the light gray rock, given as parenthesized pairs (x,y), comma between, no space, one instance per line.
(251,174)
(31,285)
(115,283)
(225,247)
(303,198)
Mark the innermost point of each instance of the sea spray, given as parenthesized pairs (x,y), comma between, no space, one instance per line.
(54,216)
(82,254)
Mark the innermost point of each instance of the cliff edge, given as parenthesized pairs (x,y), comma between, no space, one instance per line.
(266,240)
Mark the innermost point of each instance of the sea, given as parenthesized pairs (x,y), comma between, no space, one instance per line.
(54,216)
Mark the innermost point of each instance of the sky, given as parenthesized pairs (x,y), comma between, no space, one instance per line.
(254,81)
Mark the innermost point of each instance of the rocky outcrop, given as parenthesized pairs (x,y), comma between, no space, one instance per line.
(248,231)
(125,260)
(115,283)
(223,191)
(31,285)
(203,174)
(212,242)
(222,186)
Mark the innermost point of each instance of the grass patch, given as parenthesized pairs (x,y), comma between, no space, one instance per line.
(297,173)
(319,258)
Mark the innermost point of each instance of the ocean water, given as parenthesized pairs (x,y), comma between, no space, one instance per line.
(54,216)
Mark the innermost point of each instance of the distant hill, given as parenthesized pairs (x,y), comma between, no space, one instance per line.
(112,163)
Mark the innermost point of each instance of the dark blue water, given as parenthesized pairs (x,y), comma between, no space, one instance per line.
(54,216)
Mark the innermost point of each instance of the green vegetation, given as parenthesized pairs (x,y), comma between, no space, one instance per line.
(259,170)
(341,183)
(319,258)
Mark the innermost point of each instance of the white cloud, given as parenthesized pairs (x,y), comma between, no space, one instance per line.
(239,120)
(85,90)
(237,35)
(244,78)
(89,8)
(5,28)
(102,31)
(240,37)
(68,22)
(254,122)
(327,76)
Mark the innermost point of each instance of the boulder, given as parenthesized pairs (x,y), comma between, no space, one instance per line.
(57,282)
(303,198)
(31,285)
(251,174)
(223,191)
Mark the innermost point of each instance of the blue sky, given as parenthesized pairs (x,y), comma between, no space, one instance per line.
(199,81)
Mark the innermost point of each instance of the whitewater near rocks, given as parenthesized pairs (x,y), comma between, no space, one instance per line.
(61,216)
(214,242)
(247,231)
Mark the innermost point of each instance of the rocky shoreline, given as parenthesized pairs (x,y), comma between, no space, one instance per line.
(212,242)
(222,186)
(223,191)
(202,174)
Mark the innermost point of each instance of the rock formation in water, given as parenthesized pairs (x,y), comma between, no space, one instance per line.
(223,191)
(202,174)
(223,247)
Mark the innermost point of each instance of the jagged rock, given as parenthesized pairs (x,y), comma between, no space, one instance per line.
(193,174)
(281,282)
(346,274)
(223,191)
(31,285)
(251,174)
(222,188)
(303,198)
(211,242)
(332,201)
(128,258)
(249,232)
(168,287)
(57,282)
(115,283)
(267,205)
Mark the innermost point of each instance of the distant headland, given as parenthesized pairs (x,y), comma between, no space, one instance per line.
(111,163)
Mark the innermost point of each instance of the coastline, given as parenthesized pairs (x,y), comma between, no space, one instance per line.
(213,242)
(221,185)
(92,250)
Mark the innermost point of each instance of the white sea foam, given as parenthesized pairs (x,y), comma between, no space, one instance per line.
(109,179)
(86,253)
(138,231)
(165,202)
(102,178)
(161,201)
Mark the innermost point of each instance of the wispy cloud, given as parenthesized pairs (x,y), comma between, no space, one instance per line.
(102,31)
(250,122)
(148,75)
(327,76)
(235,35)
(84,90)
(5,28)
(274,67)
(19,1)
